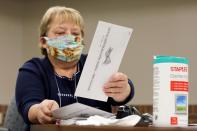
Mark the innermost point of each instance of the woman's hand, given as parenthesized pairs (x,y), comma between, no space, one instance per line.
(42,113)
(117,87)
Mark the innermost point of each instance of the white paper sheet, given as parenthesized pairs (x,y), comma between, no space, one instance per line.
(96,120)
(78,110)
(104,58)
(131,120)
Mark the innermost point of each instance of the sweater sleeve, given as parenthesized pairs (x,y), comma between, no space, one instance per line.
(131,95)
(29,89)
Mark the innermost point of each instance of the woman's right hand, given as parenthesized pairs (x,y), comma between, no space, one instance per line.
(42,112)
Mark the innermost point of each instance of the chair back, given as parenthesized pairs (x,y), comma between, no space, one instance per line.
(13,120)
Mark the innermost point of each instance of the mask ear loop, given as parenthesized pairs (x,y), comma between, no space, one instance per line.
(46,38)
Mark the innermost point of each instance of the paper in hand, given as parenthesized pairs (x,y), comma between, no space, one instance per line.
(104,58)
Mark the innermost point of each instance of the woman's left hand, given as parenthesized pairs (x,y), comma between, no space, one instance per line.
(117,87)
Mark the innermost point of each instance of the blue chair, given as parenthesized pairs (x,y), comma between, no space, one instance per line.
(3,129)
(13,120)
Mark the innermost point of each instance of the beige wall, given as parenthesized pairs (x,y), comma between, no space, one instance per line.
(161,27)
(10,47)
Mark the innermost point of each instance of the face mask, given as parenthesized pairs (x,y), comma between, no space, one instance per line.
(66,48)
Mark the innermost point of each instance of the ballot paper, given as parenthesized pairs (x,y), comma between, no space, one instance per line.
(96,120)
(78,110)
(130,120)
(104,58)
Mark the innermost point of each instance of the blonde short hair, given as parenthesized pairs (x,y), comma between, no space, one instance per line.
(67,14)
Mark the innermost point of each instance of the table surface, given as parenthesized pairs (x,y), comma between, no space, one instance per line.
(51,127)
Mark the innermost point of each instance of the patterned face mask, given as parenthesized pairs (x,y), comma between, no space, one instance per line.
(66,48)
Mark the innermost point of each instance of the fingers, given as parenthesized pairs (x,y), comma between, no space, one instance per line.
(116,83)
(118,77)
(113,94)
(112,91)
(54,106)
(117,87)
(44,119)
(46,107)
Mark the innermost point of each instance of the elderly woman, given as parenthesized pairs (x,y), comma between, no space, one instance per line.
(45,84)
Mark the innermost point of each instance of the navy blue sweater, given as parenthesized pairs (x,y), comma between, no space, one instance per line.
(37,81)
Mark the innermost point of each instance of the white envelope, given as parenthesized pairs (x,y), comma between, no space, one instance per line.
(78,110)
(104,58)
